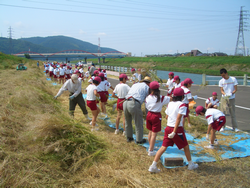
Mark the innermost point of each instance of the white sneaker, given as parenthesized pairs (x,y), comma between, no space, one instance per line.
(124,134)
(154,169)
(90,123)
(151,153)
(94,129)
(95,124)
(86,116)
(216,142)
(189,125)
(116,131)
(209,147)
(192,166)
(236,130)
(222,129)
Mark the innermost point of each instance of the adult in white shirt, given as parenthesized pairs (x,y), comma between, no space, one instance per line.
(228,88)
(74,86)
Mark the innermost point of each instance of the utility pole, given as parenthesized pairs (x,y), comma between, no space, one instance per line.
(240,44)
(10,40)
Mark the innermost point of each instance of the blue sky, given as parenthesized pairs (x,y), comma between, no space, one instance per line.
(138,26)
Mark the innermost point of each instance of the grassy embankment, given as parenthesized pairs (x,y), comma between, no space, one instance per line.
(237,66)
(41,146)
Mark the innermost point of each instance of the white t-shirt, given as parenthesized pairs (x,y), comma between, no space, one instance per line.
(187,95)
(61,71)
(51,69)
(135,76)
(170,84)
(121,90)
(212,115)
(81,70)
(56,71)
(228,86)
(75,88)
(91,79)
(67,71)
(101,86)
(214,102)
(107,85)
(154,106)
(175,108)
(86,74)
(105,74)
(177,85)
(90,92)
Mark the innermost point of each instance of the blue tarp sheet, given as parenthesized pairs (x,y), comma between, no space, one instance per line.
(231,145)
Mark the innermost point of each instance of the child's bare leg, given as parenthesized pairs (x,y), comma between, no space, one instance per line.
(119,113)
(215,106)
(212,135)
(149,137)
(188,118)
(152,141)
(123,119)
(104,108)
(209,105)
(159,153)
(187,152)
(95,114)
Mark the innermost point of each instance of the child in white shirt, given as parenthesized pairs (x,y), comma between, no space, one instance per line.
(212,102)
(154,103)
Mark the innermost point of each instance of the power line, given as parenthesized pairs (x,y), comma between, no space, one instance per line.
(10,40)
(107,14)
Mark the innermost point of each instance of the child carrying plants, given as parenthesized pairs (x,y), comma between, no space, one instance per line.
(154,103)
(215,119)
(102,93)
(91,101)
(121,90)
(174,132)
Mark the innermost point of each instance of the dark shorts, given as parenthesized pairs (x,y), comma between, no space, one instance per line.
(103,97)
(92,105)
(179,138)
(55,76)
(47,71)
(67,76)
(217,124)
(51,73)
(61,76)
(120,106)
(153,121)
(187,114)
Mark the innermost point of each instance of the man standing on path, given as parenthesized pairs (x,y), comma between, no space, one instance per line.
(92,69)
(74,86)
(132,109)
(228,87)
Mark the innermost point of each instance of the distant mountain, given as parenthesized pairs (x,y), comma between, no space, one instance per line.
(50,44)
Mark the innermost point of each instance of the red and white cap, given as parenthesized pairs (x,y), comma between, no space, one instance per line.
(154,85)
(96,72)
(101,74)
(178,92)
(123,76)
(214,93)
(133,69)
(198,110)
(98,79)
(76,71)
(103,70)
(182,83)
(99,69)
(188,81)
(171,73)
(176,78)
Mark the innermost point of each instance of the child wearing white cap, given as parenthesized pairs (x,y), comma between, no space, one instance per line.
(154,103)
(174,132)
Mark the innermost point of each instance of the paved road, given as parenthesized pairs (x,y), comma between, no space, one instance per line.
(242,102)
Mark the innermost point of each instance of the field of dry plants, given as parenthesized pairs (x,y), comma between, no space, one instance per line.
(42,146)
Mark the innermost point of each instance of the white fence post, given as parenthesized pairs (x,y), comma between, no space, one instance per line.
(245,80)
(203,79)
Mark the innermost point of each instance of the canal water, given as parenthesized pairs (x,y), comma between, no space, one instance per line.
(196,78)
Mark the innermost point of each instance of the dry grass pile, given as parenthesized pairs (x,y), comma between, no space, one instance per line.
(40,143)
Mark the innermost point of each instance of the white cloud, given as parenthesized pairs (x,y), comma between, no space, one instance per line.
(82,32)
(154,29)
(101,34)
(19,25)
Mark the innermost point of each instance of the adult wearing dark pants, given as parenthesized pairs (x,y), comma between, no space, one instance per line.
(74,86)
(92,69)
(132,109)
(228,86)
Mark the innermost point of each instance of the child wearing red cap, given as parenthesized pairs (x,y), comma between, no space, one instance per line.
(187,97)
(174,132)
(61,74)
(212,102)
(170,83)
(121,90)
(154,103)
(96,73)
(101,91)
(215,119)
(177,82)
(56,74)
(67,73)
(91,101)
